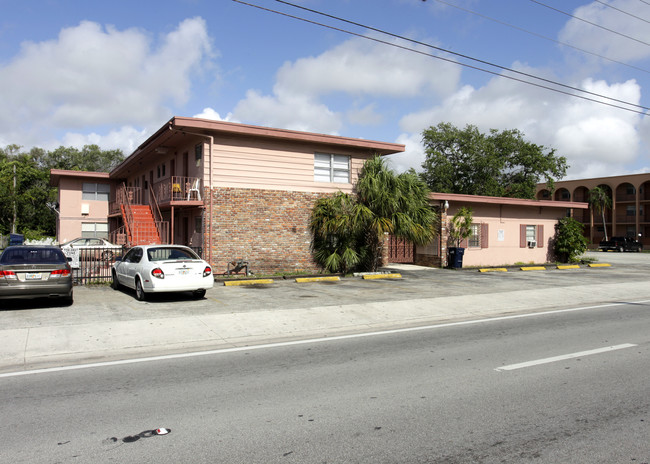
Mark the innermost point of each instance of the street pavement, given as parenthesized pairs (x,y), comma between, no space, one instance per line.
(105,325)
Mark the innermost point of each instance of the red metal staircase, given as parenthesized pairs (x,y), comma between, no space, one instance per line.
(141,229)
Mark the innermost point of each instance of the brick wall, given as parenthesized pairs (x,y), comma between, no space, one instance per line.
(267,228)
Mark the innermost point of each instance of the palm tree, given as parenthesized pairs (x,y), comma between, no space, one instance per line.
(337,227)
(348,232)
(599,199)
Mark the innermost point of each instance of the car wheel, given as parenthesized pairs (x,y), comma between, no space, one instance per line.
(115,285)
(139,291)
(621,249)
(68,300)
(107,256)
(198,294)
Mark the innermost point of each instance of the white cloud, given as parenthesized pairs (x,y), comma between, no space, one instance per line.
(366,116)
(586,133)
(413,155)
(287,111)
(92,76)
(597,40)
(127,139)
(210,113)
(357,67)
(361,67)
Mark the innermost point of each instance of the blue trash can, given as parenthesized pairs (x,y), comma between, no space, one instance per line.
(456,257)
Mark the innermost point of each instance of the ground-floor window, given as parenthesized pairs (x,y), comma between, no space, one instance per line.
(94,230)
(475,237)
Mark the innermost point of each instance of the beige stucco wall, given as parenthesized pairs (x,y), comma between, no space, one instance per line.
(70,208)
(276,165)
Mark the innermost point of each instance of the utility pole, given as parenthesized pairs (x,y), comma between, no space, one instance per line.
(13,225)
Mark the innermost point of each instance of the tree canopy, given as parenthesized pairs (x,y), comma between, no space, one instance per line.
(501,163)
(32,199)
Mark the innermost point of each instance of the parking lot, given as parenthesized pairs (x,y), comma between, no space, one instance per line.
(95,303)
(106,324)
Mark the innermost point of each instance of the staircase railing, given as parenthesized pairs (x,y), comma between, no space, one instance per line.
(161,225)
(125,199)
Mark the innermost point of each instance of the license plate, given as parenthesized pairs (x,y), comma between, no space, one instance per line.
(183,271)
(33,276)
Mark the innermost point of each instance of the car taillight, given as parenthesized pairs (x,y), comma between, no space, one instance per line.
(158,273)
(8,274)
(207,271)
(60,273)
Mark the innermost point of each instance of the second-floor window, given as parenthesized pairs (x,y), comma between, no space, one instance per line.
(331,168)
(93,191)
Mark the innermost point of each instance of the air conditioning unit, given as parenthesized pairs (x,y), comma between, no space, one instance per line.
(532,243)
(85,209)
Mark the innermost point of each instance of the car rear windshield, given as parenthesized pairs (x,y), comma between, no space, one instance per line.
(32,256)
(167,253)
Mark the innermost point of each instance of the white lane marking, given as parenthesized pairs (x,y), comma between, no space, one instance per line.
(312,340)
(579,354)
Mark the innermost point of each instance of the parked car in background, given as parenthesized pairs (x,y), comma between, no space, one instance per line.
(162,268)
(35,271)
(620,244)
(91,247)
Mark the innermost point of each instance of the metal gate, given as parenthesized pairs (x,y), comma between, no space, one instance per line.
(92,265)
(400,251)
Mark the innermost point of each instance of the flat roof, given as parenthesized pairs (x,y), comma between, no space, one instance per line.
(57,174)
(179,126)
(460,198)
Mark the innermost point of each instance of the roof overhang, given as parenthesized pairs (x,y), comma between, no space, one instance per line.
(485,200)
(57,174)
(173,133)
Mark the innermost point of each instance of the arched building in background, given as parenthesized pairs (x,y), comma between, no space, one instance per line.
(630,211)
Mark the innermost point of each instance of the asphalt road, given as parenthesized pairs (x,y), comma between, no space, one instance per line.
(488,392)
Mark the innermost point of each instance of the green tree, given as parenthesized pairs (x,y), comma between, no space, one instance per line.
(29,200)
(89,158)
(496,164)
(337,227)
(460,226)
(600,200)
(349,230)
(569,241)
(33,198)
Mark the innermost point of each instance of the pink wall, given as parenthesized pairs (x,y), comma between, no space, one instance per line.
(70,208)
(503,223)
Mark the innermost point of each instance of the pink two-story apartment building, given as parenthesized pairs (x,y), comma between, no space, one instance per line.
(232,191)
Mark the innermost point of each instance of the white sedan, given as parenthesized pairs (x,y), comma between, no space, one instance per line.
(162,268)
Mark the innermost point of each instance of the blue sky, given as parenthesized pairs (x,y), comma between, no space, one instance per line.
(79,72)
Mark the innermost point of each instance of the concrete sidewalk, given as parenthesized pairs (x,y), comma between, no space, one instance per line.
(94,330)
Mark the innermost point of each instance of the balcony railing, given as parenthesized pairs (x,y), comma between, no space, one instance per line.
(178,188)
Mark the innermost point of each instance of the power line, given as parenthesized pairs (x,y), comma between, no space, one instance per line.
(589,22)
(542,36)
(453,61)
(622,11)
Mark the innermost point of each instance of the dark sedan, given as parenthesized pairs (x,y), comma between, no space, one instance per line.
(35,272)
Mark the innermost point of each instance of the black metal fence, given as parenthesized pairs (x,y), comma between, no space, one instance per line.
(92,265)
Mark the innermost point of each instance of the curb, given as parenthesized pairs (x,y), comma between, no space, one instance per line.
(568,266)
(493,269)
(382,276)
(318,279)
(533,268)
(599,265)
(234,283)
